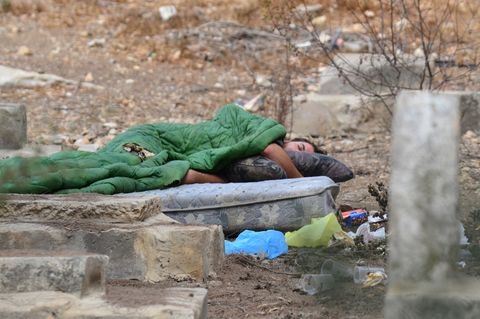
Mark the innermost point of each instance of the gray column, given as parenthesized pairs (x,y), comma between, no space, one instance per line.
(424,187)
(13,126)
(424,232)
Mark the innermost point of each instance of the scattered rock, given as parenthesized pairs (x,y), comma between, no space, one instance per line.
(24,50)
(303,9)
(88,77)
(319,21)
(99,43)
(167,12)
(11,77)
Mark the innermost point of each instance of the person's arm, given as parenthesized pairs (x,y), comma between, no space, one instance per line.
(276,153)
(194,177)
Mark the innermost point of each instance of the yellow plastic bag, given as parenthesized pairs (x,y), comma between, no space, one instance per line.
(316,234)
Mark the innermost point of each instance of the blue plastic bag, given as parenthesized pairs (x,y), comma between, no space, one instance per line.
(270,243)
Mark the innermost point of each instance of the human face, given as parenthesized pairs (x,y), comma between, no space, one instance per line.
(299,146)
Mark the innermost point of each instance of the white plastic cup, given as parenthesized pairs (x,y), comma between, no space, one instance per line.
(360,273)
(312,284)
(337,269)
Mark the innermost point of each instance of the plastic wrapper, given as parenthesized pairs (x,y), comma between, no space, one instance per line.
(268,243)
(316,234)
(354,217)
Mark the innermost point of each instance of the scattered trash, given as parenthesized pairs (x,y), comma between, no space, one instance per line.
(368,236)
(341,239)
(339,270)
(374,278)
(315,283)
(331,271)
(369,276)
(316,234)
(270,243)
(167,12)
(376,217)
(354,217)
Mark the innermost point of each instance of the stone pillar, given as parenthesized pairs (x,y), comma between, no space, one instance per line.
(13,126)
(424,231)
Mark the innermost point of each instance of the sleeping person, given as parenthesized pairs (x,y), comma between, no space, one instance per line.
(159,155)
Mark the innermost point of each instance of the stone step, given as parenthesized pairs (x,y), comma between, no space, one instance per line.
(123,303)
(39,270)
(148,252)
(26,207)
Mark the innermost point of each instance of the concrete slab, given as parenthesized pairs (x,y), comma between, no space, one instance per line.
(37,270)
(147,252)
(170,303)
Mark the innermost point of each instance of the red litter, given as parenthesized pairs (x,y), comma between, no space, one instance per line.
(354,217)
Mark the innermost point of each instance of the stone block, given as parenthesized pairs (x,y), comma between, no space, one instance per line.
(27,207)
(371,74)
(469,110)
(13,126)
(127,303)
(37,270)
(148,252)
(180,250)
(321,115)
(454,298)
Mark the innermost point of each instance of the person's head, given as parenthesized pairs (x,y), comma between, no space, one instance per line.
(301,144)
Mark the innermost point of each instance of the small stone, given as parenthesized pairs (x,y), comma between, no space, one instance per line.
(469,135)
(15,29)
(24,50)
(302,9)
(419,53)
(324,37)
(176,55)
(129,81)
(369,13)
(319,21)
(167,12)
(357,27)
(88,77)
(99,43)
(263,81)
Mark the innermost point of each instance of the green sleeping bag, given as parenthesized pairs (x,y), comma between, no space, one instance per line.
(145,157)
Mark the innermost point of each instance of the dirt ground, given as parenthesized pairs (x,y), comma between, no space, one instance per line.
(149,70)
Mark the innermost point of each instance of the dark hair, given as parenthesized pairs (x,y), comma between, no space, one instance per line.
(316,149)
